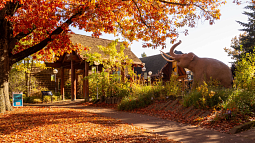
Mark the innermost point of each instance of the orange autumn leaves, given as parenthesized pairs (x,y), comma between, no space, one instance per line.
(33,124)
(152,21)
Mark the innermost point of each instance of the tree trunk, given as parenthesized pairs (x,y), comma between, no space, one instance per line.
(4,66)
(4,75)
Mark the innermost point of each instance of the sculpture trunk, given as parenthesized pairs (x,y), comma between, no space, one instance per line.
(172,49)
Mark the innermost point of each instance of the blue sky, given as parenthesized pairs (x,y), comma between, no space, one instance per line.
(204,40)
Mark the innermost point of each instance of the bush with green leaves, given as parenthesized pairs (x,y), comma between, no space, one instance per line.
(109,85)
(137,99)
(242,101)
(206,97)
(173,86)
(158,89)
(245,72)
(48,98)
(243,98)
(31,99)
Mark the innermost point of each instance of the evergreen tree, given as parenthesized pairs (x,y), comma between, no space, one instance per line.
(247,40)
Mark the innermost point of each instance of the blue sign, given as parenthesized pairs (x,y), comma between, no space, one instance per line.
(17,99)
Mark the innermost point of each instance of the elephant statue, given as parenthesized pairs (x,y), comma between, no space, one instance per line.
(204,69)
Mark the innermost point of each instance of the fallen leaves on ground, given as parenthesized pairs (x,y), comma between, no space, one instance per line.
(45,124)
(209,122)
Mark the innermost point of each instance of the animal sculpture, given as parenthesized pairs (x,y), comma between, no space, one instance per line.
(204,69)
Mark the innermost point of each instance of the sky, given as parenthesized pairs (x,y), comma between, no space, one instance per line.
(204,40)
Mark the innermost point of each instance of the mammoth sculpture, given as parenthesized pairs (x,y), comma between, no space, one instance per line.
(204,69)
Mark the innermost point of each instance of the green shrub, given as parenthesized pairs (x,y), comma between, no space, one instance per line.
(173,86)
(37,100)
(55,98)
(32,99)
(134,101)
(28,99)
(206,97)
(245,71)
(241,100)
(47,98)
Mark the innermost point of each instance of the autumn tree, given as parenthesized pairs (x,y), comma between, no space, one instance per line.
(47,22)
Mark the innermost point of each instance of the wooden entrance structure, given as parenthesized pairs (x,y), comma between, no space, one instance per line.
(77,65)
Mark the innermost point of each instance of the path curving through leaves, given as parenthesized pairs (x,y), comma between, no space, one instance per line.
(56,124)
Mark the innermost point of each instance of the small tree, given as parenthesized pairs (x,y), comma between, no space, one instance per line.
(143,55)
(115,61)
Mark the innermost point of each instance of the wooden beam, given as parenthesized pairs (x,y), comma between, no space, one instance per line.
(86,81)
(76,66)
(66,65)
(72,81)
(62,58)
(84,85)
(63,83)
(54,65)
(75,85)
(73,57)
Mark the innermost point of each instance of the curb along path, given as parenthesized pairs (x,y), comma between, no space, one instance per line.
(173,130)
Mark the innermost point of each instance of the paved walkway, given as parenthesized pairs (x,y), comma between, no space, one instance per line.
(173,130)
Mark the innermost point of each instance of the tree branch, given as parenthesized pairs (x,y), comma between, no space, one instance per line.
(22,35)
(21,55)
(12,7)
(140,15)
(174,3)
(185,4)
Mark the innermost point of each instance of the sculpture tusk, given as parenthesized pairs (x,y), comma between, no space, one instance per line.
(166,58)
(167,55)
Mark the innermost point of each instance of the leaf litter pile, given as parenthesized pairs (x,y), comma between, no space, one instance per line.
(43,124)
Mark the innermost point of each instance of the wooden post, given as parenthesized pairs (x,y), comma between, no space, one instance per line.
(75,83)
(72,81)
(62,83)
(122,72)
(83,85)
(86,81)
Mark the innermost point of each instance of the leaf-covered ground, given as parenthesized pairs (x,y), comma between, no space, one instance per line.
(212,122)
(38,124)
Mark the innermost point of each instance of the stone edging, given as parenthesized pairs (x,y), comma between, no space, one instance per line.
(243,127)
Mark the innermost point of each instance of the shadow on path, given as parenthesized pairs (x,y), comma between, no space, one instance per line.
(173,130)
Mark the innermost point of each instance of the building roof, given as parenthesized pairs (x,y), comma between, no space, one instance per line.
(155,63)
(92,42)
